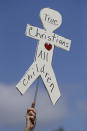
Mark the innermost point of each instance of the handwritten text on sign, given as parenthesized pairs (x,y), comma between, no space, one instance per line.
(41,66)
(41,34)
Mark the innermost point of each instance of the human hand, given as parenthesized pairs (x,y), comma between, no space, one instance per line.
(30,118)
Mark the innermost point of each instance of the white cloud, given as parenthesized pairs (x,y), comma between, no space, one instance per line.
(13,106)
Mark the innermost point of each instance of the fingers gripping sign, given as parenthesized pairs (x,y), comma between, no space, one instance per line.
(41,66)
(30,118)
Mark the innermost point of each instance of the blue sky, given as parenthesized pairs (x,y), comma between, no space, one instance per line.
(17,54)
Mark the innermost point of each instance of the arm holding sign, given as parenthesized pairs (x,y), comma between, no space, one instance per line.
(30,118)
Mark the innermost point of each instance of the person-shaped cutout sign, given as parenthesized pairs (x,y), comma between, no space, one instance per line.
(41,66)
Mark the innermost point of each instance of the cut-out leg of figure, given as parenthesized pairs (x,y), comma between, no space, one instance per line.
(29,77)
(50,82)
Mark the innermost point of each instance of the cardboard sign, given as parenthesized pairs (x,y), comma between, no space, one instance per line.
(41,66)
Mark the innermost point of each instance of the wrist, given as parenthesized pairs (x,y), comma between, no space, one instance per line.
(28,129)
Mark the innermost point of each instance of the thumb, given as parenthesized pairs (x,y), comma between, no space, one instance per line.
(33,104)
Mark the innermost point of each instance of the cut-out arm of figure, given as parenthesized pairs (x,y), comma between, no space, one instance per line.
(43,35)
(63,43)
